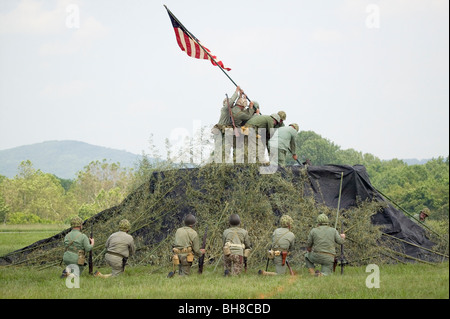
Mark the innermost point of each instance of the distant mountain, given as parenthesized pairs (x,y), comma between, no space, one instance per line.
(415,161)
(62,158)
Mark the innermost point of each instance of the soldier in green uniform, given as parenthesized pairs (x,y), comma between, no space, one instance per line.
(236,246)
(223,142)
(321,248)
(241,114)
(282,143)
(260,129)
(186,245)
(283,241)
(282,115)
(422,216)
(119,247)
(76,246)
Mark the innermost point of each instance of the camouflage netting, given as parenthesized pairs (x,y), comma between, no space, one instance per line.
(213,192)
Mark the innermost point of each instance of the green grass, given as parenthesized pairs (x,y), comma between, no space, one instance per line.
(412,281)
(13,237)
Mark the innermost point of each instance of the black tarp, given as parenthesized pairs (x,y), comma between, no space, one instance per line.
(324,182)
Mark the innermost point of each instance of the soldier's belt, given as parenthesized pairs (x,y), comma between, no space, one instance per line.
(278,252)
(185,250)
(237,245)
(272,253)
(325,253)
(115,254)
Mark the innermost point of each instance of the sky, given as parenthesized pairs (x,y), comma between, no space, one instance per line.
(372,76)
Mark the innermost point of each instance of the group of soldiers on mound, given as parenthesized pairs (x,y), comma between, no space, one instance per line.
(236,246)
(243,134)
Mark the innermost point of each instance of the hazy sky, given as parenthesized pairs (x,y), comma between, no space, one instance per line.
(367,75)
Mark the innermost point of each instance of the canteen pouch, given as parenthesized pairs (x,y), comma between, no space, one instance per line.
(246,253)
(226,249)
(175,259)
(270,254)
(81,258)
(190,257)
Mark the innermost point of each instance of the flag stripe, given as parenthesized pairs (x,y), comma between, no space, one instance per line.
(190,45)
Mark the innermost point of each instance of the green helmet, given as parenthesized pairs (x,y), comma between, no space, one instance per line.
(295,126)
(322,219)
(286,221)
(76,222)
(282,115)
(234,220)
(426,211)
(276,117)
(189,220)
(124,225)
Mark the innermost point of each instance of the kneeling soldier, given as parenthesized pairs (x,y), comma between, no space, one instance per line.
(119,247)
(76,246)
(282,243)
(185,246)
(236,246)
(321,247)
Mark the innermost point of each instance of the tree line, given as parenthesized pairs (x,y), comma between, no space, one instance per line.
(33,196)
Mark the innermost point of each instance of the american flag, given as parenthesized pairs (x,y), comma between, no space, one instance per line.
(190,44)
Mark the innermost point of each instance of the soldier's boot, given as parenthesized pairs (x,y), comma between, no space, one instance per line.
(226,273)
(266,273)
(171,274)
(311,271)
(64,273)
(99,274)
(318,274)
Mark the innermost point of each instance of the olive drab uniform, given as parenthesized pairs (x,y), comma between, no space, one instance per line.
(421,218)
(282,115)
(283,143)
(260,129)
(241,116)
(321,246)
(119,246)
(236,244)
(223,131)
(186,245)
(76,246)
(282,243)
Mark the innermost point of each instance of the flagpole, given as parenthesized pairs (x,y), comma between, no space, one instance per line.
(206,51)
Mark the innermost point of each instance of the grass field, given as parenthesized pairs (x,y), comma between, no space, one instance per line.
(13,237)
(411,281)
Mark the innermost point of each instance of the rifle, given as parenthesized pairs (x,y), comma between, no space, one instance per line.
(201,260)
(342,259)
(124,263)
(267,264)
(299,163)
(290,269)
(245,264)
(236,131)
(337,217)
(91,266)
